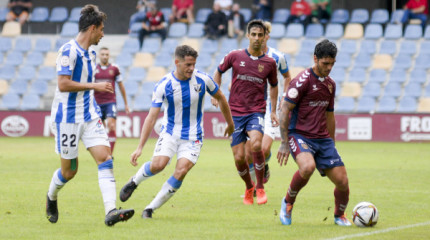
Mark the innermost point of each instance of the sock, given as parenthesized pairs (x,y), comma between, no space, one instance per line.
(112,139)
(258,158)
(143,173)
(340,201)
(107,185)
(243,170)
(167,190)
(296,184)
(252,172)
(268,158)
(57,182)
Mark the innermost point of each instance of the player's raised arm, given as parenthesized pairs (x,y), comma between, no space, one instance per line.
(225,109)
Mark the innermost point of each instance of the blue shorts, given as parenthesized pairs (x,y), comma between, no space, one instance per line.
(322,149)
(108,110)
(244,124)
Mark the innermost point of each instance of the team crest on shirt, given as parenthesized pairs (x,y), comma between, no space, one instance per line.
(198,87)
(330,88)
(110,72)
(260,67)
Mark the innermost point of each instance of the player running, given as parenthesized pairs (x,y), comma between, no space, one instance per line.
(310,133)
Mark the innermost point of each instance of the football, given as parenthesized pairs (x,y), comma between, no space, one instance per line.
(365,214)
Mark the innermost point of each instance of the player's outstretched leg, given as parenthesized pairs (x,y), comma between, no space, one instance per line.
(285,213)
(57,182)
(142,174)
(127,190)
(51,210)
(118,215)
(147,213)
(169,188)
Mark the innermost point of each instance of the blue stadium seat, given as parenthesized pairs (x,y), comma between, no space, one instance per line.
(39,14)
(386,104)
(210,46)
(393,31)
(69,29)
(345,104)
(343,60)
(43,45)
(137,74)
(148,88)
(408,47)
(340,16)
(247,14)
(11,101)
(30,102)
(151,45)
(366,104)
(59,14)
(338,74)
(303,60)
(372,90)
(307,46)
(177,30)
(380,16)
(7,72)
(427,33)
(413,32)
(422,61)
(18,87)
(3,13)
(120,102)
(427,91)
(396,16)
(196,30)
(202,15)
(407,104)
(15,58)
(228,44)
(271,43)
(134,29)
(397,75)
(392,89)
(278,31)
(5,44)
(425,47)
(142,102)
(131,88)
(334,31)
(388,47)
(39,87)
(403,61)
(167,11)
(363,60)
(377,76)
(22,44)
(26,73)
(294,30)
(131,45)
(413,89)
(46,73)
(373,31)
(1,58)
(75,13)
(60,42)
(169,45)
(204,61)
(314,30)
(368,46)
(163,59)
(281,15)
(348,46)
(418,75)
(357,75)
(359,15)
(124,60)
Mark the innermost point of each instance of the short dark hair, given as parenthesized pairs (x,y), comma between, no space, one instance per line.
(325,48)
(184,50)
(256,23)
(90,15)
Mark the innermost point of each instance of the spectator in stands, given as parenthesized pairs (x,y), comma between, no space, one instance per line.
(321,9)
(300,12)
(216,23)
(416,9)
(182,10)
(236,23)
(19,10)
(262,9)
(141,7)
(225,5)
(152,23)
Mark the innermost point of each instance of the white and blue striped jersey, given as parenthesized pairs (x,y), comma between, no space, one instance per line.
(184,104)
(80,64)
(281,60)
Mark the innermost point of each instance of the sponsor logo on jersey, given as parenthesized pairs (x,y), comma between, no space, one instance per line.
(242,63)
(293,93)
(65,61)
(314,87)
(197,87)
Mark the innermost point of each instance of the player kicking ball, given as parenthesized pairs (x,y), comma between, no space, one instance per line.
(183,92)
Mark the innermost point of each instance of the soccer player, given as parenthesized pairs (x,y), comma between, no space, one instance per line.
(183,92)
(107,72)
(310,132)
(251,71)
(75,116)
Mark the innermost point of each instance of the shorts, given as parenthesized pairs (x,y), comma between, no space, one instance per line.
(167,145)
(108,110)
(67,137)
(269,129)
(244,124)
(322,149)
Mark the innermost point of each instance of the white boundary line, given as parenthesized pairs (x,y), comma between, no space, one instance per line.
(381,231)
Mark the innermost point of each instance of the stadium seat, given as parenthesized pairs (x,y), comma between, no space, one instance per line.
(418,75)
(382,61)
(348,46)
(396,16)
(4,87)
(289,46)
(192,42)
(303,60)
(59,14)
(18,87)
(75,13)
(30,102)
(345,104)
(5,44)
(351,89)
(338,74)
(393,31)
(278,31)
(131,88)
(142,102)
(340,16)
(14,58)
(151,45)
(392,89)
(1,58)
(177,30)
(39,87)
(413,89)
(357,75)
(407,105)
(294,30)
(363,60)
(408,47)
(155,74)
(402,61)
(427,33)
(11,29)
(424,47)
(3,13)
(69,29)
(7,72)
(397,76)
(134,29)
(377,76)
(39,14)
(148,88)
(47,73)
(120,103)
(294,71)
(167,11)
(204,61)
(144,60)
(247,14)
(163,60)
(372,89)
(22,44)
(423,105)
(353,31)
(210,46)
(202,15)
(26,73)
(169,45)
(413,32)
(124,60)
(373,31)
(386,105)
(42,45)
(308,46)
(271,43)
(196,30)
(343,60)
(11,101)
(388,47)
(422,61)
(380,16)
(426,92)
(60,42)
(281,15)
(366,104)
(368,47)
(228,44)
(359,15)
(314,30)
(333,31)
(131,45)
(136,74)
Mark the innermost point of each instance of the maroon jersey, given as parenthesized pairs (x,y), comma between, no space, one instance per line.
(313,96)
(109,73)
(249,81)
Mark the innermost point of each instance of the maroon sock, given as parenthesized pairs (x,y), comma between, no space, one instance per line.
(340,201)
(258,158)
(296,184)
(243,170)
(112,140)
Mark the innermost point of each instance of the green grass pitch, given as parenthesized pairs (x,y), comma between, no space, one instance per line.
(393,176)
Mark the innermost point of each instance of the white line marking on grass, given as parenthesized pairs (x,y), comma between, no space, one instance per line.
(381,231)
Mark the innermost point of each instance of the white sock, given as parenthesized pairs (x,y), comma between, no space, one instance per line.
(143,173)
(252,173)
(107,185)
(57,182)
(169,188)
